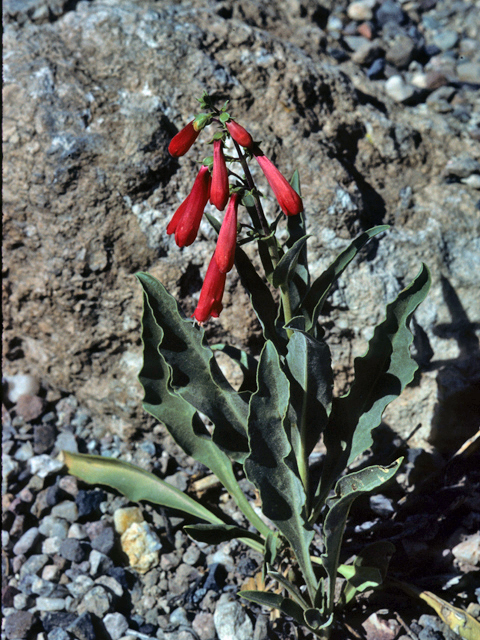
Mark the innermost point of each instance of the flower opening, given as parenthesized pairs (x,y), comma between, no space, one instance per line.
(187,224)
(210,300)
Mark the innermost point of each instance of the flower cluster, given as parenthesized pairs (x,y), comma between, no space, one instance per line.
(212,184)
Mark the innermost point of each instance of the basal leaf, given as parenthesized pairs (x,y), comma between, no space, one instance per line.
(196,376)
(261,298)
(217,533)
(347,489)
(368,570)
(134,483)
(271,465)
(380,376)
(276,601)
(309,364)
(321,287)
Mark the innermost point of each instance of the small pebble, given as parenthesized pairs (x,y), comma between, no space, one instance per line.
(141,545)
(231,620)
(360,11)
(43,438)
(77,531)
(33,565)
(472,181)
(445,39)
(191,555)
(18,624)
(389,11)
(99,563)
(52,545)
(50,604)
(398,89)
(21,384)
(376,69)
(89,501)
(53,527)
(110,583)
(44,465)
(24,452)
(204,626)
(58,634)
(67,510)
(116,625)
(22,601)
(27,541)
(73,550)
(66,441)
(468,551)
(96,601)
(42,587)
(51,572)
(82,628)
(469,72)
(79,587)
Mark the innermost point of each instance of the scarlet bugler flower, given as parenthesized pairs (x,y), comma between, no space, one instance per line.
(187,218)
(184,139)
(219,188)
(227,238)
(210,300)
(239,134)
(288,199)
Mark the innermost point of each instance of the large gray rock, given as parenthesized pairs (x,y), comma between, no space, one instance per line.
(92,98)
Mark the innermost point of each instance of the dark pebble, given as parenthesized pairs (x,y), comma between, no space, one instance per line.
(89,501)
(82,628)
(57,619)
(8,594)
(247,567)
(18,624)
(216,577)
(43,438)
(431,50)
(120,576)
(148,629)
(105,541)
(389,11)
(338,54)
(73,550)
(375,72)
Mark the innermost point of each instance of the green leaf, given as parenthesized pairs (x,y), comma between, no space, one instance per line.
(217,533)
(271,465)
(247,363)
(276,601)
(347,490)
(309,363)
(134,483)
(285,269)
(380,376)
(368,570)
(195,374)
(321,287)
(316,620)
(261,298)
(181,419)
(289,587)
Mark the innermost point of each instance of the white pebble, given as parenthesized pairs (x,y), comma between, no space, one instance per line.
(20,385)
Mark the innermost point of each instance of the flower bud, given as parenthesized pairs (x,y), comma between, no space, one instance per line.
(219,188)
(227,238)
(201,121)
(288,199)
(184,139)
(239,134)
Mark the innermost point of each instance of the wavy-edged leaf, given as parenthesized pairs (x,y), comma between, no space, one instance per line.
(275,601)
(246,362)
(134,483)
(380,376)
(196,376)
(271,465)
(261,298)
(347,489)
(217,533)
(180,418)
(321,287)
(309,362)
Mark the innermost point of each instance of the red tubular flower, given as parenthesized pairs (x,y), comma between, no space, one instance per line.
(184,139)
(227,238)
(186,225)
(288,199)
(219,188)
(210,301)
(172,225)
(239,134)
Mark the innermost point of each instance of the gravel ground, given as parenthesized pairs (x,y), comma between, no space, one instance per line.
(65,574)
